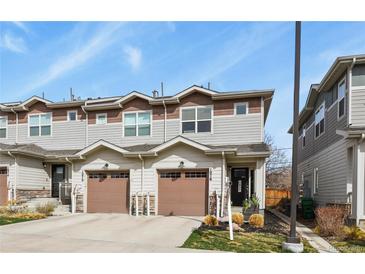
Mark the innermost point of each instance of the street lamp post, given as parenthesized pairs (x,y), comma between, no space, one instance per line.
(293,242)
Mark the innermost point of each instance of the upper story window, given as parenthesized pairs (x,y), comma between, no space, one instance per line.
(341,99)
(137,123)
(319,120)
(40,124)
(196,119)
(101,118)
(72,115)
(303,137)
(241,108)
(3,126)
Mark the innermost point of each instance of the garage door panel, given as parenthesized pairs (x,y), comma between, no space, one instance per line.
(108,195)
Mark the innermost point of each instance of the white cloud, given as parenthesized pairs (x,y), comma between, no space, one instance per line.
(102,38)
(22,26)
(13,43)
(134,56)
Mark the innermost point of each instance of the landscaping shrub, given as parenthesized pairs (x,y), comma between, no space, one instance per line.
(210,220)
(256,220)
(330,220)
(255,201)
(237,218)
(29,215)
(46,208)
(12,209)
(353,233)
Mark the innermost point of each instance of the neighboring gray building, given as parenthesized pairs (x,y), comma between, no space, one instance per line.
(331,146)
(176,151)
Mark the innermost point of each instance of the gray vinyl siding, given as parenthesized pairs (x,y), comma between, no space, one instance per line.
(358,76)
(332,172)
(358,107)
(65,135)
(10,135)
(31,174)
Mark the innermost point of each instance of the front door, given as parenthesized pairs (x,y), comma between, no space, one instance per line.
(239,187)
(58,176)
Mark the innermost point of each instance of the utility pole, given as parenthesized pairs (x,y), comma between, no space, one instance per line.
(293,242)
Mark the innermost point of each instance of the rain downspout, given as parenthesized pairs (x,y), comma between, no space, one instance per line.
(15,175)
(73,188)
(164,121)
(223,181)
(16,124)
(142,175)
(86,127)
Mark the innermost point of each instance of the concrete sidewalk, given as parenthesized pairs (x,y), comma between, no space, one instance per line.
(314,239)
(99,233)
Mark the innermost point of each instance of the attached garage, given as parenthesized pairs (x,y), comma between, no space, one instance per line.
(107,192)
(183,192)
(3,186)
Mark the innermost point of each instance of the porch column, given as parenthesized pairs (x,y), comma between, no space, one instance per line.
(260,182)
(360,182)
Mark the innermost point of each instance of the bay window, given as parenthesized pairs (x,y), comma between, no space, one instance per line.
(137,123)
(196,119)
(40,124)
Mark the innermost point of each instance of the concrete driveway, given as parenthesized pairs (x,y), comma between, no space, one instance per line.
(99,233)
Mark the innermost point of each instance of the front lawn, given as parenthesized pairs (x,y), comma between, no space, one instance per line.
(252,240)
(348,246)
(5,220)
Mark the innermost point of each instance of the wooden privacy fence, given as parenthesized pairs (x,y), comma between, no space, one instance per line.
(274,196)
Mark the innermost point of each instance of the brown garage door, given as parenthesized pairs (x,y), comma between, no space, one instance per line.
(183,192)
(3,186)
(107,192)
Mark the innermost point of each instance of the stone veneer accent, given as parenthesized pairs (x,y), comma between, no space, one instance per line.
(79,203)
(142,205)
(23,195)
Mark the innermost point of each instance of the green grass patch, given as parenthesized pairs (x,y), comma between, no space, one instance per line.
(349,246)
(244,242)
(4,220)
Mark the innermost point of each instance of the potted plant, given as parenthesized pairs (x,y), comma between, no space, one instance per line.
(245,206)
(256,203)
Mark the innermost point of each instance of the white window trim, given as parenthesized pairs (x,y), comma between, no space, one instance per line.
(196,119)
(324,118)
(315,180)
(240,104)
(97,118)
(68,115)
(6,127)
(137,133)
(343,80)
(39,124)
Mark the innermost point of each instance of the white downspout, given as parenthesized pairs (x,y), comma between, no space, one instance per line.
(350,89)
(86,127)
(14,186)
(223,181)
(73,188)
(164,121)
(16,124)
(142,175)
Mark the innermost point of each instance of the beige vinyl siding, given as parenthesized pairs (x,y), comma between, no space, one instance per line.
(332,169)
(358,107)
(65,135)
(10,135)
(31,174)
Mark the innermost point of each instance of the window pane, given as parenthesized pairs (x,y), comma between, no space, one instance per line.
(72,116)
(34,131)
(143,130)
(319,115)
(2,133)
(204,126)
(45,130)
(188,127)
(188,114)
(130,131)
(2,122)
(241,109)
(130,118)
(341,90)
(101,119)
(46,119)
(341,108)
(144,118)
(34,120)
(204,113)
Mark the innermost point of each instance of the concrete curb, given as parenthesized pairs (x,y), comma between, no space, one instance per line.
(316,241)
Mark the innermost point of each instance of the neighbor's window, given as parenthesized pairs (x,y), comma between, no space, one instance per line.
(137,124)
(72,115)
(196,119)
(40,124)
(101,118)
(241,108)
(341,98)
(3,126)
(315,180)
(319,120)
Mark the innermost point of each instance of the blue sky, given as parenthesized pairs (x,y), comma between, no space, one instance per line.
(105,59)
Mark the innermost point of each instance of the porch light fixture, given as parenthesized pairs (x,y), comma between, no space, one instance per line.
(44,165)
(181,165)
(106,165)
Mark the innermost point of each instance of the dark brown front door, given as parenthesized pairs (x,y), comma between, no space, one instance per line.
(58,176)
(239,187)
(183,193)
(3,186)
(107,192)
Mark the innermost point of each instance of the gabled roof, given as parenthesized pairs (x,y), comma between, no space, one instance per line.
(177,140)
(99,144)
(131,96)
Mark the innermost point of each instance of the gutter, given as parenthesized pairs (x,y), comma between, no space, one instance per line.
(350,90)
(15,173)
